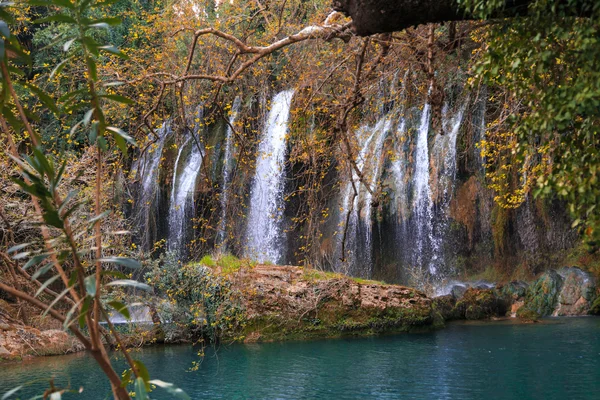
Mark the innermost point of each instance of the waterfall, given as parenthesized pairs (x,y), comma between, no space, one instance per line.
(264,232)
(356,258)
(432,194)
(350,204)
(423,202)
(147,199)
(227,166)
(182,194)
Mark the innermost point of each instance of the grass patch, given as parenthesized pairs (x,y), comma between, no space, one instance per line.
(208,261)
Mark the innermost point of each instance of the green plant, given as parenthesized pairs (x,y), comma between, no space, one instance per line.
(64,256)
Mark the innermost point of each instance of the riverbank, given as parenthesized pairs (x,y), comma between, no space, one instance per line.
(264,303)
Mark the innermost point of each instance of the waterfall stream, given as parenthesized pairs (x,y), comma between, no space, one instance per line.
(423,202)
(147,199)
(182,194)
(264,232)
(227,169)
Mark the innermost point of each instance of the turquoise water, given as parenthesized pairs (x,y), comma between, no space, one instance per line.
(559,359)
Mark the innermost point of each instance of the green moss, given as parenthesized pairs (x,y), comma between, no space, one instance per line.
(208,261)
(542,295)
(527,314)
(333,319)
(229,263)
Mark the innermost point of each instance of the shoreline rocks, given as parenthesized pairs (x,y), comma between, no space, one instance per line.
(568,291)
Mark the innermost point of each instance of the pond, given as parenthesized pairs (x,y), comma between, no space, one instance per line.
(556,359)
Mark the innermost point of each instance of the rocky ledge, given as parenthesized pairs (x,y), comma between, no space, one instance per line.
(283,302)
(18,342)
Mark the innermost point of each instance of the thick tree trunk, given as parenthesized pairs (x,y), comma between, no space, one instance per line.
(379,16)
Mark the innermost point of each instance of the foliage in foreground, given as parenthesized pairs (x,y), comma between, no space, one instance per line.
(543,73)
(70,253)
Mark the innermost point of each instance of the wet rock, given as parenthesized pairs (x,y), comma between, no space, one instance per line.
(458,290)
(445,305)
(514,290)
(542,295)
(577,293)
(480,304)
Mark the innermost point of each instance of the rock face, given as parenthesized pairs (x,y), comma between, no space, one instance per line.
(568,291)
(17,342)
(577,293)
(289,302)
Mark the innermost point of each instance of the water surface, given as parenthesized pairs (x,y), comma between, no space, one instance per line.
(559,359)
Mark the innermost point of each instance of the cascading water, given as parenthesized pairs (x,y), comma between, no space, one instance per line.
(355,255)
(423,202)
(227,167)
(182,195)
(264,233)
(147,171)
(348,224)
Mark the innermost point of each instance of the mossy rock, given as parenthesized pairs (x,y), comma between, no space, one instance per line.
(480,304)
(445,306)
(595,308)
(528,315)
(514,290)
(542,295)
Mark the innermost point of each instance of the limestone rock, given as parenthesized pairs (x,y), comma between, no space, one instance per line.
(542,295)
(577,292)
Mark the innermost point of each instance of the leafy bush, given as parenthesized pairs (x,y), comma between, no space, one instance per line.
(198,301)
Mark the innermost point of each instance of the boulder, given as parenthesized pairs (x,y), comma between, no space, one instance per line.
(542,295)
(577,293)
(480,304)
(445,306)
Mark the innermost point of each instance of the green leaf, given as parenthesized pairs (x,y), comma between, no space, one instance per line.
(140,390)
(43,97)
(20,256)
(84,310)
(120,308)
(68,321)
(12,391)
(46,284)
(117,98)
(92,67)
(129,283)
(90,285)
(4,29)
(52,218)
(87,118)
(68,44)
(120,133)
(56,300)
(115,51)
(41,271)
(35,260)
(125,262)
(18,247)
(171,389)
(142,372)
(126,377)
(116,274)
(98,217)
(59,67)
(99,25)
(56,18)
(65,3)
(112,21)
